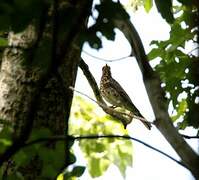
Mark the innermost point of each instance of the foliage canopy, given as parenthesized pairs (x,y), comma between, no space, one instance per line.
(177,67)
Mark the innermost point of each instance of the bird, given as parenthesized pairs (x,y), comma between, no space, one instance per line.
(114,94)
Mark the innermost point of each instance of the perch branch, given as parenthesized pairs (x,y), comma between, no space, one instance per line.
(131,116)
(123,117)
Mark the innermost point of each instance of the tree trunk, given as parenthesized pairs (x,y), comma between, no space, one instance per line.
(34,92)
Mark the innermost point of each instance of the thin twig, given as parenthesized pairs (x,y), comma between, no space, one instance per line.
(111,109)
(190,52)
(99,103)
(63,138)
(123,117)
(106,60)
(189,137)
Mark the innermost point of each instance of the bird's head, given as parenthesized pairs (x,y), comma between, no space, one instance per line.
(106,70)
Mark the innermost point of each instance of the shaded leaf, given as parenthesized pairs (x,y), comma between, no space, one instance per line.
(154,53)
(3,42)
(5,138)
(78,171)
(109,11)
(165,9)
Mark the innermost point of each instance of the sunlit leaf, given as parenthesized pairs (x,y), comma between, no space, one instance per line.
(180,110)
(178,69)
(99,153)
(148,5)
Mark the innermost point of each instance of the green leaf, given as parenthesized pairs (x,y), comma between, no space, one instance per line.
(72,158)
(94,41)
(165,9)
(108,11)
(189,3)
(5,138)
(3,42)
(78,171)
(49,171)
(21,158)
(52,159)
(59,155)
(154,53)
(40,133)
(99,153)
(182,106)
(25,156)
(148,5)
(177,69)
(179,36)
(94,167)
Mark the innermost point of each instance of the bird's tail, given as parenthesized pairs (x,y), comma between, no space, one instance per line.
(143,120)
(147,124)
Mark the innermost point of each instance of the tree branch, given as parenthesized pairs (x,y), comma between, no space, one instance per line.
(84,10)
(72,138)
(110,109)
(106,60)
(155,93)
(123,117)
(189,137)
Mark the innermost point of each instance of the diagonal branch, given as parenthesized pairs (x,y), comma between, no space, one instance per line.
(123,117)
(129,115)
(155,93)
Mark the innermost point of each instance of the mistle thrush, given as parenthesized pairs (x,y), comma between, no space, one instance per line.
(113,93)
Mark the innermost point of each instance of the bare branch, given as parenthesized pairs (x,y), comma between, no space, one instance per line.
(125,118)
(63,138)
(190,53)
(189,137)
(106,60)
(130,115)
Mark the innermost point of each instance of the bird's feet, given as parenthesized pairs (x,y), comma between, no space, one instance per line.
(113,107)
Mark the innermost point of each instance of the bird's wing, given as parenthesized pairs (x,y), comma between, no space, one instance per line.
(128,104)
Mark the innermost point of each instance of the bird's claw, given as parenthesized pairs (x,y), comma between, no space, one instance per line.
(113,107)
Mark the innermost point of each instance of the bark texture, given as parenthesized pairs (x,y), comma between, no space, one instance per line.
(33,96)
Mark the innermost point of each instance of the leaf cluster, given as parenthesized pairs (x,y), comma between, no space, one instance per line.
(48,158)
(88,119)
(178,68)
(108,11)
(17,14)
